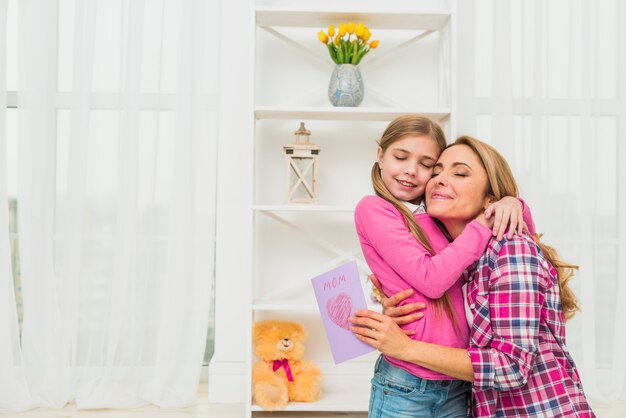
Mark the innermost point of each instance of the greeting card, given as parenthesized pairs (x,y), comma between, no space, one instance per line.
(339,293)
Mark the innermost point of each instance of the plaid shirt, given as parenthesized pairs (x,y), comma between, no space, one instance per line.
(517,339)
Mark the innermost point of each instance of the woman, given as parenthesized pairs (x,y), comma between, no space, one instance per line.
(517,301)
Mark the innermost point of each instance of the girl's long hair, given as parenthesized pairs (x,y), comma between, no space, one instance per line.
(501,183)
(399,128)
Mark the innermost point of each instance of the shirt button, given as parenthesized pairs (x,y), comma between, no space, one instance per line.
(472,306)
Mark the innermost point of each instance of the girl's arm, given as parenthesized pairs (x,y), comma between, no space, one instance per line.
(382,227)
(407,313)
(528,217)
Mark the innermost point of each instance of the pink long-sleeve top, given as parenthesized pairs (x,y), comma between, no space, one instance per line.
(398,260)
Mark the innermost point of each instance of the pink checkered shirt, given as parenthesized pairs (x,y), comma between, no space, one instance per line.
(522,367)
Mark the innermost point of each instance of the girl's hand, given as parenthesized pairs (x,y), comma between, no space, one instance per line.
(381,332)
(399,314)
(506,212)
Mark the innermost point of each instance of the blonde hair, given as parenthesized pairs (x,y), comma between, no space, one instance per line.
(399,128)
(501,183)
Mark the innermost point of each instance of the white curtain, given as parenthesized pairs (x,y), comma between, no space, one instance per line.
(545,83)
(116,103)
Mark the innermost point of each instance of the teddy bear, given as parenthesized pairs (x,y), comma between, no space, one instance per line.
(281,375)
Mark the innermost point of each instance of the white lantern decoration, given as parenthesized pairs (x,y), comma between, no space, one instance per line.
(301,168)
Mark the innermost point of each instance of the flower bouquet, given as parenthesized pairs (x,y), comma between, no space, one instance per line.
(342,47)
(347,51)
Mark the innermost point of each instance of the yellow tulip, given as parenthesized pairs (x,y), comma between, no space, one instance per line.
(351,28)
(360,30)
(322,37)
(342,29)
(331,31)
(374,44)
(367,35)
(337,39)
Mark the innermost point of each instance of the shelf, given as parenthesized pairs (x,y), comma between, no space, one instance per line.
(330,402)
(302,208)
(405,15)
(285,306)
(344,113)
(262,305)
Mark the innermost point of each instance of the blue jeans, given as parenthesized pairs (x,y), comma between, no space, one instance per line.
(398,393)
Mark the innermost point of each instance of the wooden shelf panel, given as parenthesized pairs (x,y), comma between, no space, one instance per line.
(344,113)
(276,306)
(266,305)
(401,15)
(302,208)
(330,402)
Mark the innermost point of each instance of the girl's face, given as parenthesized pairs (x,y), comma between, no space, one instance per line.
(407,165)
(456,194)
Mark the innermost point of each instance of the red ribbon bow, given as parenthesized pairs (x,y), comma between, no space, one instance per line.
(285,364)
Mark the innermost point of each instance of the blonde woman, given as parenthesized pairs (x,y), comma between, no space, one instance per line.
(517,301)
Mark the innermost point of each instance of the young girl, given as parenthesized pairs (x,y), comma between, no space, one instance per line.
(404,247)
(517,300)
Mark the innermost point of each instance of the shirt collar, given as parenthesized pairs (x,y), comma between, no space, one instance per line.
(421,208)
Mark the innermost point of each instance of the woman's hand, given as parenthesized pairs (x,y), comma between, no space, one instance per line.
(506,212)
(381,332)
(399,314)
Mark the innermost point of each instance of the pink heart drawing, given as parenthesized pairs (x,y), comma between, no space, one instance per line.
(339,310)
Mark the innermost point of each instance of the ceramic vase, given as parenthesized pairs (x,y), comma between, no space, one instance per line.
(346,86)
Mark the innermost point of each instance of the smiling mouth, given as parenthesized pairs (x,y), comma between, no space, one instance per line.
(406,183)
(436,195)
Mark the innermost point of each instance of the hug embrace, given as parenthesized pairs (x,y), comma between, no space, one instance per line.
(475,321)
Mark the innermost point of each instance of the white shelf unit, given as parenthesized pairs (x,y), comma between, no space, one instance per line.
(344,113)
(410,72)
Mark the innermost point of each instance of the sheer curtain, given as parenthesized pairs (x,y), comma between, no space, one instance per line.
(116,105)
(545,83)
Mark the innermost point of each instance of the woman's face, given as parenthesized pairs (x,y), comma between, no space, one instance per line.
(456,193)
(407,166)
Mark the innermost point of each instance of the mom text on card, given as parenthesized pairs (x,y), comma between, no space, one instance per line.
(336,281)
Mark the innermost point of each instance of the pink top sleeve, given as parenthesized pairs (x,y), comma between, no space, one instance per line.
(528,218)
(381,229)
